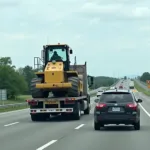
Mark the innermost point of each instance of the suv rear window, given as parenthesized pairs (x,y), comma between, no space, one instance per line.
(117,97)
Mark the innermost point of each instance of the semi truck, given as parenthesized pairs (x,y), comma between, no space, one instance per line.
(131,85)
(59,88)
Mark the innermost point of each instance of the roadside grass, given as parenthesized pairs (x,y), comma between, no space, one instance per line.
(13,108)
(140,89)
(19,99)
(93,95)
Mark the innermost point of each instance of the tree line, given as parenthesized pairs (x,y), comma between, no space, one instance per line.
(145,76)
(103,81)
(17,80)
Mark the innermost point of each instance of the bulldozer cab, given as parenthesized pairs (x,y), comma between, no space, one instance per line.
(57,53)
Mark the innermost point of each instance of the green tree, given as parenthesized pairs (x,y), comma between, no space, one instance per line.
(145,76)
(12,81)
(28,73)
(103,81)
(6,61)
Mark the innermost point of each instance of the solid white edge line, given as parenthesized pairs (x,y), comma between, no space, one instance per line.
(11,124)
(46,145)
(78,127)
(147,113)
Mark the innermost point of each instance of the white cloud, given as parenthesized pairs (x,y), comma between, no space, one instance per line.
(144,28)
(17,36)
(78,36)
(91,7)
(7,3)
(115,10)
(94,21)
(140,12)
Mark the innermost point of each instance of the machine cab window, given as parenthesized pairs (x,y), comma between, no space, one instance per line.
(58,54)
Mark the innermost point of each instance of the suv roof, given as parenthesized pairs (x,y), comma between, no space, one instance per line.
(121,96)
(117,91)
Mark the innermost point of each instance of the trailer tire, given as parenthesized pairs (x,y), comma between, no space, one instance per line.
(34,117)
(74,91)
(87,111)
(77,114)
(37,93)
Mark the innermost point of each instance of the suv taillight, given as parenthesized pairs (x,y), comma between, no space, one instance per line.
(132,106)
(99,106)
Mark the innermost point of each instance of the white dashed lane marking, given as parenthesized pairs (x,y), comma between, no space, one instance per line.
(11,124)
(80,126)
(46,145)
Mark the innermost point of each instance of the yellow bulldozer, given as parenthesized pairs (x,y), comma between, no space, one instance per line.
(57,77)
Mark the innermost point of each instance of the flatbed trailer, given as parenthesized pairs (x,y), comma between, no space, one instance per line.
(59,78)
(42,108)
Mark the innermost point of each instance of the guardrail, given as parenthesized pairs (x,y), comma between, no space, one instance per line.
(26,104)
(13,105)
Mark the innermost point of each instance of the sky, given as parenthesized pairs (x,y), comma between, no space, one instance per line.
(113,36)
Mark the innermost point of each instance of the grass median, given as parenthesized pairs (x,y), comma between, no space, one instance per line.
(13,108)
(18,99)
(140,89)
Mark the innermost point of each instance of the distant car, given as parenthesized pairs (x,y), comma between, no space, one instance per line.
(117,107)
(99,93)
(120,87)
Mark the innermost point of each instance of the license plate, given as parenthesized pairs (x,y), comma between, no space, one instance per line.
(115,109)
(52,102)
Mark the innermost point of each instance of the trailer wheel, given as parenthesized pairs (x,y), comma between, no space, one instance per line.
(77,114)
(74,91)
(87,111)
(37,93)
(34,117)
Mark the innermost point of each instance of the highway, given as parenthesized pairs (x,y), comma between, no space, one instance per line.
(18,132)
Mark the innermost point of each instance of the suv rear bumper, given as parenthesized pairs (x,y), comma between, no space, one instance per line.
(116,119)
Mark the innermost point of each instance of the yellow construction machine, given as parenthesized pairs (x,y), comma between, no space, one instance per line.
(57,77)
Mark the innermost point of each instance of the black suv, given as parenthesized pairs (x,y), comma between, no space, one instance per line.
(117,107)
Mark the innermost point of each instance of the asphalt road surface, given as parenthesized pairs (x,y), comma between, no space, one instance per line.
(18,132)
